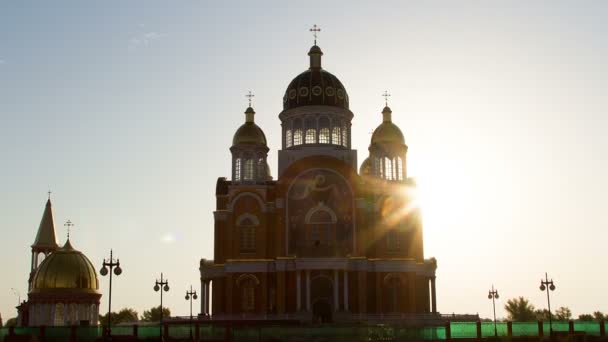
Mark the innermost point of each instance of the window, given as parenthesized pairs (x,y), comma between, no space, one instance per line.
(248,170)
(297,137)
(311,136)
(392,240)
(261,169)
(248,296)
(319,235)
(344,136)
(324,136)
(400,168)
(237,169)
(388,168)
(247,225)
(335,136)
(59,317)
(288,138)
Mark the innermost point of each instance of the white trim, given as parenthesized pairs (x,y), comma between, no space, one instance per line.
(243,217)
(320,207)
(258,198)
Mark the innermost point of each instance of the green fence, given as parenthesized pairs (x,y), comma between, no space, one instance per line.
(328,332)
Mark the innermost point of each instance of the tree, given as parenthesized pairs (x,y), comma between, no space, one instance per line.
(563,314)
(11,322)
(520,309)
(542,314)
(598,315)
(0,320)
(585,317)
(123,316)
(153,315)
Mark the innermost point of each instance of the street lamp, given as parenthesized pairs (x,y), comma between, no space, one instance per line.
(546,285)
(190,295)
(162,285)
(104,271)
(493,295)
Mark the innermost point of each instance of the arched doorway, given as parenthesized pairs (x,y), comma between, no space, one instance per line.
(321,311)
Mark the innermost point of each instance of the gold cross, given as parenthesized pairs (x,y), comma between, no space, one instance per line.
(50,192)
(69,224)
(315,29)
(249,96)
(386,95)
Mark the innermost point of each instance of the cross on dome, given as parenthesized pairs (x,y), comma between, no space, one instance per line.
(315,29)
(249,96)
(69,224)
(386,96)
(49,192)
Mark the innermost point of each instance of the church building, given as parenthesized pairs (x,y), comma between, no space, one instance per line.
(324,241)
(63,288)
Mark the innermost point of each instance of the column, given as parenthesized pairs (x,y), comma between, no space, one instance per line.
(298,291)
(433,295)
(308,291)
(207,301)
(202,292)
(280,300)
(345,290)
(336,293)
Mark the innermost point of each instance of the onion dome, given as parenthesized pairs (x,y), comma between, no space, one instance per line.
(249,132)
(66,269)
(315,86)
(366,167)
(387,132)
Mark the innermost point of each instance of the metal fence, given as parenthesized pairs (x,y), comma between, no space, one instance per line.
(239,331)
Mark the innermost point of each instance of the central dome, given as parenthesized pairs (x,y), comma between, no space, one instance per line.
(315,86)
(66,269)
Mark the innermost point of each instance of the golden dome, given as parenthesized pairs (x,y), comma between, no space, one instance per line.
(66,269)
(387,132)
(249,132)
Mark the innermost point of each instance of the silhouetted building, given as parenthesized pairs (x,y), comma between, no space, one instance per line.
(322,242)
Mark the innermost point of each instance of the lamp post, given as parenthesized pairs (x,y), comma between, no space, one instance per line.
(546,285)
(493,295)
(162,285)
(104,271)
(190,295)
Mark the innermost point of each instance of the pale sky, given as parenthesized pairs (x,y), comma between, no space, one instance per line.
(126,111)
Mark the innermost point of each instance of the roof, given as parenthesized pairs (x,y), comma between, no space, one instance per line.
(45,238)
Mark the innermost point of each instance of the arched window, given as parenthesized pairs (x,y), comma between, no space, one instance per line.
(344,135)
(297,137)
(320,221)
(288,138)
(400,168)
(393,243)
(324,136)
(73,314)
(335,136)
(377,165)
(248,170)
(247,228)
(237,169)
(311,136)
(247,284)
(59,315)
(394,288)
(261,169)
(388,168)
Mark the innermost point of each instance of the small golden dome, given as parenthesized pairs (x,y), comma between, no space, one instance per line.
(387,132)
(66,269)
(249,133)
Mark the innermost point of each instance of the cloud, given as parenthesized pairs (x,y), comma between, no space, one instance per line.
(145,39)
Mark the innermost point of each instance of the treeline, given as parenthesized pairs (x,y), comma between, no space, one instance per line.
(520,309)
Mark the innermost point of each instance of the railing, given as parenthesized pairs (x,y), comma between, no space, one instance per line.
(238,331)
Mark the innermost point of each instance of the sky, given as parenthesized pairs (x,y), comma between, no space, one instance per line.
(126,111)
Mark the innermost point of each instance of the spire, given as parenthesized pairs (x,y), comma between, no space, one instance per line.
(45,238)
(386,112)
(249,112)
(315,52)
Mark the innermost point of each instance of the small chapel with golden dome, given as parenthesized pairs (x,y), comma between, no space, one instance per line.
(323,241)
(63,288)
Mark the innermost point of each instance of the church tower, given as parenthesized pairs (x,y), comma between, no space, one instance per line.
(45,242)
(387,150)
(316,119)
(249,152)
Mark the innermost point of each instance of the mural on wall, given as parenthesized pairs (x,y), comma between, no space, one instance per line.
(320,215)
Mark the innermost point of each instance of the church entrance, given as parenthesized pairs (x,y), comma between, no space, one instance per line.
(321,311)
(322,296)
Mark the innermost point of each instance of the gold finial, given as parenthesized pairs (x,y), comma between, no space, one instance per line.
(249,96)
(386,96)
(315,29)
(69,224)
